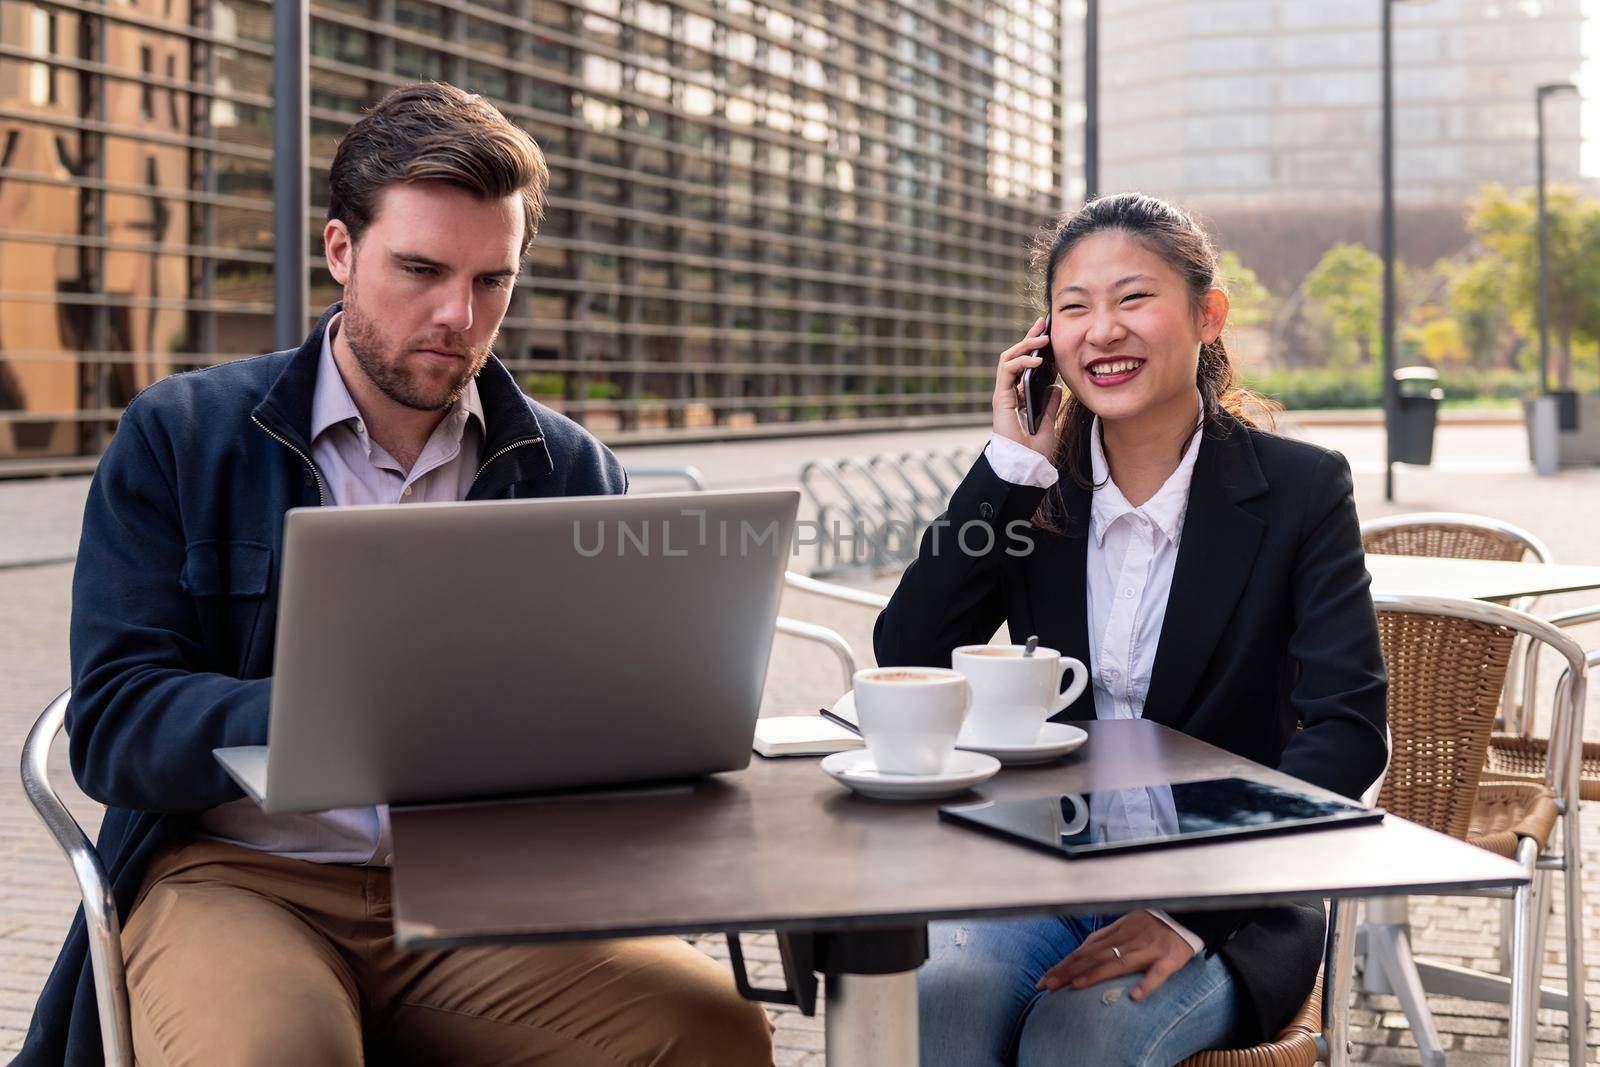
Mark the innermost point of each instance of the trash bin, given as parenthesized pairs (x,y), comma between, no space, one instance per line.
(1418,415)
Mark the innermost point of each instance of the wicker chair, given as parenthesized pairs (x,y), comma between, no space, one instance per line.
(1447,661)
(1457,535)
(1514,754)
(1451,535)
(1295,1046)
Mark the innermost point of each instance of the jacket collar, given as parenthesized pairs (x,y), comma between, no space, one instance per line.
(1165,509)
(514,449)
(1215,553)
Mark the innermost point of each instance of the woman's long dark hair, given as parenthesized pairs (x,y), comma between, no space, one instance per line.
(1173,235)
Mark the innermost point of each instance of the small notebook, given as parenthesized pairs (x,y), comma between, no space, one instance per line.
(802,735)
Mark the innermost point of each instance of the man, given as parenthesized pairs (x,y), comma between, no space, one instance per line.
(254,939)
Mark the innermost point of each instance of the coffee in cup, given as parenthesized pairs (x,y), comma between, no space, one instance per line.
(1013,694)
(910,716)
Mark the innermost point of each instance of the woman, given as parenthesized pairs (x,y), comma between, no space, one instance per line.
(1211,575)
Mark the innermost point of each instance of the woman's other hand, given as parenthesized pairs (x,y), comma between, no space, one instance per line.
(1136,942)
(1008,403)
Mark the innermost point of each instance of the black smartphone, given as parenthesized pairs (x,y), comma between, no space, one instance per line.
(1036,383)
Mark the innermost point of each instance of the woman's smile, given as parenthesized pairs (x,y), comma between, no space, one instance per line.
(1111,371)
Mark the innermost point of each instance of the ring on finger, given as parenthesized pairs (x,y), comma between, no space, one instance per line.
(1117,952)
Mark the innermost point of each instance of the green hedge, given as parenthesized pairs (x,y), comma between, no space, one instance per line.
(1323,388)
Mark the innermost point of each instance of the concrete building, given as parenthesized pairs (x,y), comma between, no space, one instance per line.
(1264,115)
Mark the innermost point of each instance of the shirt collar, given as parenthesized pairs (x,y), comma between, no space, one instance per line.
(1166,509)
(331,402)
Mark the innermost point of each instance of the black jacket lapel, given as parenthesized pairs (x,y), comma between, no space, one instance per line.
(1057,590)
(1218,548)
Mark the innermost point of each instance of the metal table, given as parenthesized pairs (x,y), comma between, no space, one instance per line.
(1476,579)
(780,846)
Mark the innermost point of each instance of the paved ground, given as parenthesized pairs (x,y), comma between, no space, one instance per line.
(1480,469)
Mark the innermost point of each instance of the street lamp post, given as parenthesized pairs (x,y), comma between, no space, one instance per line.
(1391,395)
(291,97)
(1091,100)
(1539,96)
(1391,388)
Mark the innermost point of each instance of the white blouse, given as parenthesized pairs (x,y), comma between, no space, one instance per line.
(1133,552)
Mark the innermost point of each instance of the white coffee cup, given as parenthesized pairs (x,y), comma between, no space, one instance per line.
(910,716)
(1013,694)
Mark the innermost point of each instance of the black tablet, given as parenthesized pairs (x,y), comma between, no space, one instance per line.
(1123,820)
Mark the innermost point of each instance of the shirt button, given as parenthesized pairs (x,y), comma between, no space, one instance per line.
(408,490)
(1127,594)
(361,427)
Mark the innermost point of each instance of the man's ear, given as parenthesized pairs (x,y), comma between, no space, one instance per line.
(339,249)
(1213,315)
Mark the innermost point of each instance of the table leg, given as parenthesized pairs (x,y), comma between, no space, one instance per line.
(871,1020)
(871,1015)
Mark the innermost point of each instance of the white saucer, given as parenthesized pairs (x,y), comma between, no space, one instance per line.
(963,771)
(1056,739)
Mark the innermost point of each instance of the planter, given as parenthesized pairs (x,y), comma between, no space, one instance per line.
(1577,447)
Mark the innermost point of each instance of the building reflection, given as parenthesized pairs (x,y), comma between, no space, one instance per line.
(761,216)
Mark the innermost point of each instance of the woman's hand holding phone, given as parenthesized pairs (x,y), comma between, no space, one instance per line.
(1010,405)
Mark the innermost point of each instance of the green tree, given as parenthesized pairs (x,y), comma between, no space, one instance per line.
(1506,226)
(1344,304)
(1477,302)
(1249,302)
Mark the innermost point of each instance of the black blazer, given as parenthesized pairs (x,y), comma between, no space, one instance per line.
(1269,648)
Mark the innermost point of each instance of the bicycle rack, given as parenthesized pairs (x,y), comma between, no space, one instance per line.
(873,510)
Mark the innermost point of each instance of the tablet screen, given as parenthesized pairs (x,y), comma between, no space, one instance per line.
(1119,820)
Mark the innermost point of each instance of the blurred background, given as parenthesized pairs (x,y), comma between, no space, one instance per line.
(771,217)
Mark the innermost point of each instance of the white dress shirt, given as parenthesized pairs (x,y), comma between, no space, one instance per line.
(357,470)
(1132,554)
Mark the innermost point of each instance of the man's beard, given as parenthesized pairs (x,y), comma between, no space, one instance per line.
(386,370)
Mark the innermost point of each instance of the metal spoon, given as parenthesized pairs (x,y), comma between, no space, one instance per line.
(1033,643)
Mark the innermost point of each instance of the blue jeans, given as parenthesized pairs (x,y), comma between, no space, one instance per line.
(979,1007)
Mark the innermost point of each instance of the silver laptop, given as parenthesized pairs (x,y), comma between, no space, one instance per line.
(433,652)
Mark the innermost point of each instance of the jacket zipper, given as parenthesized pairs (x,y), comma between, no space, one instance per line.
(322,490)
(497,455)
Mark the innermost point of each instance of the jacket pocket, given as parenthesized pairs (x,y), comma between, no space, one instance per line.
(229,583)
(226,568)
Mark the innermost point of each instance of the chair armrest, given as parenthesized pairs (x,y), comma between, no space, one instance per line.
(1530,660)
(1576,616)
(843,593)
(100,916)
(810,631)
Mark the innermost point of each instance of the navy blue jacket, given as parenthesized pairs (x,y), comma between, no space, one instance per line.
(175,600)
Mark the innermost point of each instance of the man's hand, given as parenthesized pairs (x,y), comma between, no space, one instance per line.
(1144,942)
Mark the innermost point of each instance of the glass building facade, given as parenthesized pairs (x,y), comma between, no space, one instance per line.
(762,215)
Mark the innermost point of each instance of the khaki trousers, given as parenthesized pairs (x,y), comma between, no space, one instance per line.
(237,958)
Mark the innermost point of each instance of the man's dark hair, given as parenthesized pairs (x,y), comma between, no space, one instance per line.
(433,132)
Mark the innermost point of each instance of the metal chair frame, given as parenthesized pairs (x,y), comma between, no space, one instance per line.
(1384,937)
(100,915)
(692,477)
